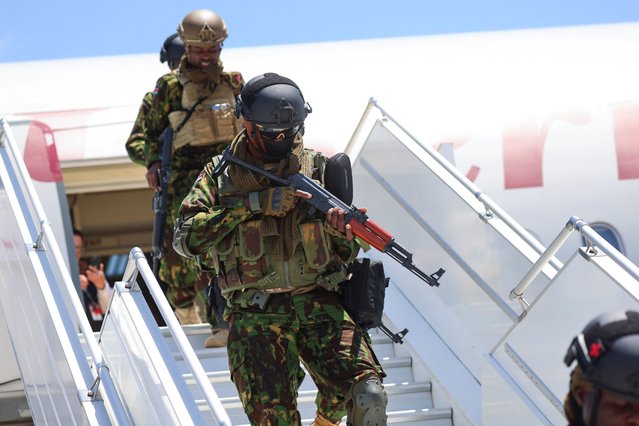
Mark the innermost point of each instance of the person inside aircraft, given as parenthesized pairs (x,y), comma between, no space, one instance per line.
(604,385)
(280,264)
(96,290)
(196,102)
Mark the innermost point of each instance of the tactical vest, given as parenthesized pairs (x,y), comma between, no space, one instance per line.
(213,118)
(245,256)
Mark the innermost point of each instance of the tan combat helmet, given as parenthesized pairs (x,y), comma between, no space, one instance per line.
(202,27)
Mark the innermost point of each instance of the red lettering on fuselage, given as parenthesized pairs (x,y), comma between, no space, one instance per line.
(626,122)
(40,155)
(523,147)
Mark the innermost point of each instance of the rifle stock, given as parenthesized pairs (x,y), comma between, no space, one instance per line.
(160,200)
(323,200)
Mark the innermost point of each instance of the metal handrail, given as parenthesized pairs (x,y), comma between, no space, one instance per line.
(599,243)
(138,263)
(594,240)
(45,228)
(488,203)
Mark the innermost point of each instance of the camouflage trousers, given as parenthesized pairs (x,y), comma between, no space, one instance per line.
(182,275)
(265,348)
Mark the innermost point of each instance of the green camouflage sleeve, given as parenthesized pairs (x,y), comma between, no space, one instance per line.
(167,89)
(135,144)
(211,222)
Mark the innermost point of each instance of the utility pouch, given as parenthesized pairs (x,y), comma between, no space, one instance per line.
(363,296)
(223,122)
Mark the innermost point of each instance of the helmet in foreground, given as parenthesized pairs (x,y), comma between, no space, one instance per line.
(607,351)
(272,102)
(274,111)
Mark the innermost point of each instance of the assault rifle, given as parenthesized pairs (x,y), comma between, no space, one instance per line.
(323,201)
(160,200)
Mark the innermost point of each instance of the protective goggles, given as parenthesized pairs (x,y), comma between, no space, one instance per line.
(276,135)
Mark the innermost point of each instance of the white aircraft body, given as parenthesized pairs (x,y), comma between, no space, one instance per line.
(544,121)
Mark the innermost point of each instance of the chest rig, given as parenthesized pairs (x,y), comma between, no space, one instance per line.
(247,258)
(207,113)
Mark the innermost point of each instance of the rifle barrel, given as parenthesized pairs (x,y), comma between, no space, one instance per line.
(405,258)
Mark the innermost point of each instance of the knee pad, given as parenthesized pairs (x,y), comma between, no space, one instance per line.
(368,404)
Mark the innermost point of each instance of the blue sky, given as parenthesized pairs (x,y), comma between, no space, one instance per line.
(46,29)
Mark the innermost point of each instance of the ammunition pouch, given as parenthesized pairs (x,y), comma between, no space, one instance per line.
(362,296)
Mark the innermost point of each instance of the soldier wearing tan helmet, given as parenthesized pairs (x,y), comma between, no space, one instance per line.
(197,102)
(202,28)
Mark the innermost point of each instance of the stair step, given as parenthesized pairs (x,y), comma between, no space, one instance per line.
(402,397)
(398,370)
(196,334)
(410,403)
(424,417)
(402,393)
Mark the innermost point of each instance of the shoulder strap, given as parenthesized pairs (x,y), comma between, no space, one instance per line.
(189,113)
(235,80)
(318,160)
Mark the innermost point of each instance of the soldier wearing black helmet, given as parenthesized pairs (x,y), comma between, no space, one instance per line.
(197,102)
(172,51)
(279,263)
(604,385)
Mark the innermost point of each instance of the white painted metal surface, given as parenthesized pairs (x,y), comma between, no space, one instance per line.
(154,364)
(39,318)
(494,358)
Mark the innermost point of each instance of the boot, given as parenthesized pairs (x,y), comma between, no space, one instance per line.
(188,315)
(323,421)
(218,339)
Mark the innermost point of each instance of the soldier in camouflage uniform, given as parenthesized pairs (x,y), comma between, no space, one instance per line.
(171,53)
(197,102)
(279,263)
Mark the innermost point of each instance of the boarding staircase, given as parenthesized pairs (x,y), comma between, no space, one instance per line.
(410,401)
(483,348)
(193,367)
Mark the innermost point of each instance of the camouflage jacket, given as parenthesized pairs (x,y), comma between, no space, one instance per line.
(167,98)
(135,144)
(215,216)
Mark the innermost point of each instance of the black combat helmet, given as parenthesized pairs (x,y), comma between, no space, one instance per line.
(172,49)
(607,352)
(274,111)
(273,103)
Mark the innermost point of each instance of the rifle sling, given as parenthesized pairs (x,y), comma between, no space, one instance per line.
(189,113)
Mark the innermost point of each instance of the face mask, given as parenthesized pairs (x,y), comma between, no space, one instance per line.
(277,150)
(278,144)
